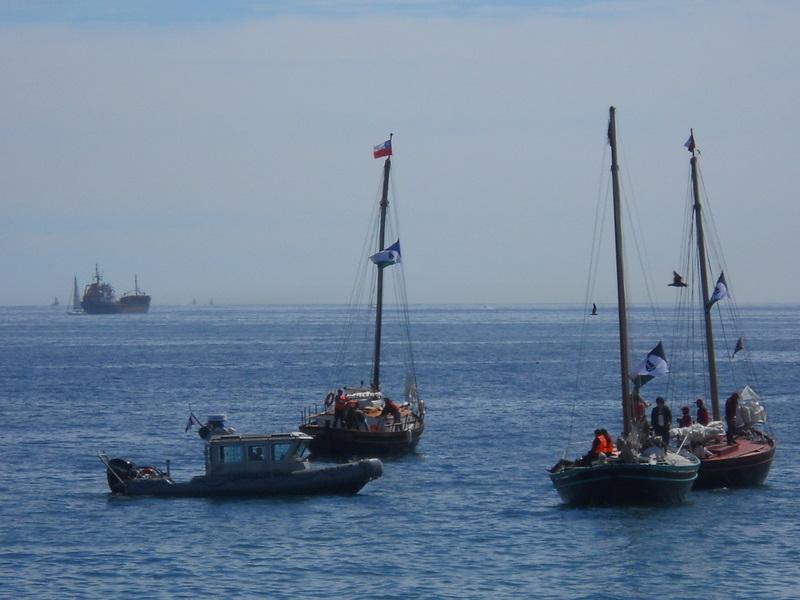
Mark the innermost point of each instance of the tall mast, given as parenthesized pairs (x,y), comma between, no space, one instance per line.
(376,356)
(701,253)
(627,415)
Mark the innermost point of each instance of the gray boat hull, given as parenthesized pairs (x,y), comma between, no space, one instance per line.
(346,478)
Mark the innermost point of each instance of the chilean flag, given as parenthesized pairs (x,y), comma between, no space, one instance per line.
(384,149)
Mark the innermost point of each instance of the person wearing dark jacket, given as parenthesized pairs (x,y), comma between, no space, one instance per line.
(661,420)
(731,408)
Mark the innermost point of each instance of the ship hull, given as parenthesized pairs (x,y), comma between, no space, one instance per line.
(745,464)
(618,483)
(343,443)
(336,479)
(126,305)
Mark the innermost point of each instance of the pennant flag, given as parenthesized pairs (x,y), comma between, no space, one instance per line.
(739,346)
(390,256)
(653,365)
(384,149)
(192,422)
(720,291)
(689,145)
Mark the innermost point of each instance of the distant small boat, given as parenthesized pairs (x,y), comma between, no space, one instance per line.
(74,308)
(594,309)
(54,302)
(194,301)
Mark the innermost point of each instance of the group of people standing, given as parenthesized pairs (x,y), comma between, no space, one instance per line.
(348,414)
(661,416)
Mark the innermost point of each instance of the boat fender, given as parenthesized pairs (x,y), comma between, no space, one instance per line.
(329,399)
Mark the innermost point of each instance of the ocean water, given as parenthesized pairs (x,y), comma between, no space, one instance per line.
(471,515)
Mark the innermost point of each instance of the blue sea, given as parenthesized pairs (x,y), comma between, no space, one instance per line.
(471,515)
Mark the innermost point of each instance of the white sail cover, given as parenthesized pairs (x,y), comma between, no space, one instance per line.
(751,411)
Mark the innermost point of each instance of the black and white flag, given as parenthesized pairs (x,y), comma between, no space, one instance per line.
(720,291)
(653,365)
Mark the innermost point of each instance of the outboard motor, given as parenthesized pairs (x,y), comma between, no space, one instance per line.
(118,472)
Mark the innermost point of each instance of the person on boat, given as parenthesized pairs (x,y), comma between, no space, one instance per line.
(731,408)
(607,446)
(686,418)
(702,412)
(661,420)
(595,452)
(354,417)
(390,407)
(639,409)
(339,408)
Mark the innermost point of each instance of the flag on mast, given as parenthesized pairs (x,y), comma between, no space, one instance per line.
(689,145)
(390,256)
(720,291)
(384,149)
(654,364)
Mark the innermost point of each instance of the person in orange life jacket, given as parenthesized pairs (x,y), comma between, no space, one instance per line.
(389,406)
(598,443)
(339,408)
(702,412)
(731,408)
(607,447)
(661,420)
(686,418)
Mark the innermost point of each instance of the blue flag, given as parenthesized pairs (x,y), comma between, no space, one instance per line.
(390,256)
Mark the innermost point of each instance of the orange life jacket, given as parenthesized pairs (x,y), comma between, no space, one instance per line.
(341,402)
(606,447)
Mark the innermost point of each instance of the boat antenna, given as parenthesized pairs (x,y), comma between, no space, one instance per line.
(376,356)
(627,413)
(701,254)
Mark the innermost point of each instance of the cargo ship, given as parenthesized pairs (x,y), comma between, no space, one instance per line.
(99,298)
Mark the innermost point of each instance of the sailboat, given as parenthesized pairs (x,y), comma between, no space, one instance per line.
(74,307)
(641,472)
(55,302)
(363,420)
(747,460)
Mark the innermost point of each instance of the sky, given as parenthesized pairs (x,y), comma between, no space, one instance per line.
(223,150)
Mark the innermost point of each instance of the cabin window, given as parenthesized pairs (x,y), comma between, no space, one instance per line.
(256,453)
(302,450)
(230,454)
(280,450)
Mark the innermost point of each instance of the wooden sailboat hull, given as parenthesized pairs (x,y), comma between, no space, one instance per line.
(343,443)
(745,464)
(618,483)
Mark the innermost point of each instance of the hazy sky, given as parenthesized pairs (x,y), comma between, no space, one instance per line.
(224,149)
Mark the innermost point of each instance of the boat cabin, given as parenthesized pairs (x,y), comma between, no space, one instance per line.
(254,453)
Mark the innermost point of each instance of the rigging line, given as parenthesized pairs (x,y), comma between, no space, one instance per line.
(601,208)
(635,222)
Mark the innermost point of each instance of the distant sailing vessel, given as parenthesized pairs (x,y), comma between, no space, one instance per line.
(643,471)
(99,298)
(363,420)
(74,307)
(745,462)
(54,302)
